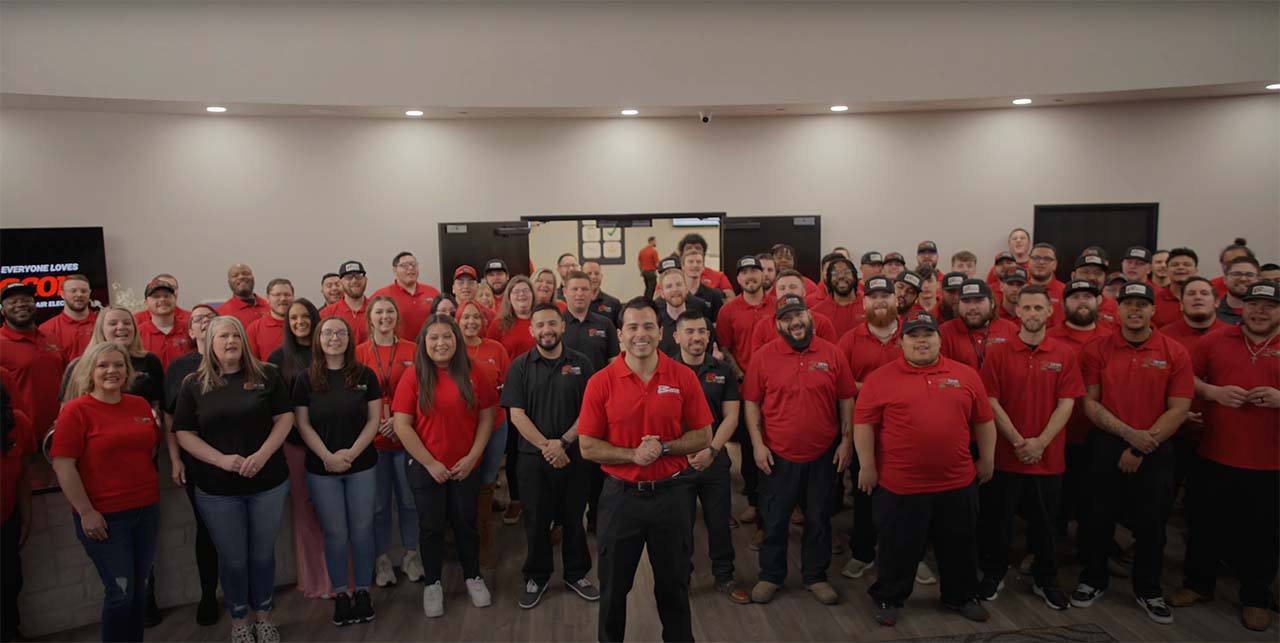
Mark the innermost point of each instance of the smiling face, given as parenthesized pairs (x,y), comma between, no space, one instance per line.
(1044,261)
(109,372)
(521,295)
(334,337)
(881,308)
(385,317)
(1239,277)
(544,288)
(441,344)
(354,285)
(471,321)
(161,303)
(750,280)
(1136,313)
(464,289)
(566,265)
(921,346)
(19,310)
(547,327)
(497,280)
(299,321)
(843,280)
(796,327)
(75,294)
(1180,268)
(279,298)
(1019,242)
(674,288)
(640,332)
(1261,317)
(118,327)
(331,289)
(692,336)
(406,270)
(240,280)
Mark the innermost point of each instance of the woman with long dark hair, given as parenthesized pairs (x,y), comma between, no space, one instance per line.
(444,414)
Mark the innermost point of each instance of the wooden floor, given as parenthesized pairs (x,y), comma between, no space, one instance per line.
(793,616)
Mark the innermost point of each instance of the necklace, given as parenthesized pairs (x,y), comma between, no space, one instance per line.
(1253,355)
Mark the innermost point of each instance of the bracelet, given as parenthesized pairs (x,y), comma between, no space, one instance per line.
(714,451)
(1136,452)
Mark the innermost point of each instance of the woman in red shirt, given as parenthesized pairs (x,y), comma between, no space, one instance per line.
(102,454)
(389,357)
(444,413)
(488,353)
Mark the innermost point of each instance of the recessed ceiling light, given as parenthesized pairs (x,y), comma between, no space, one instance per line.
(1022,101)
(214,109)
(839,108)
(413,112)
(1273,86)
(630,112)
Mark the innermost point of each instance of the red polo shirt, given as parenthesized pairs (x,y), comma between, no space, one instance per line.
(1079,425)
(1109,312)
(1168,308)
(621,409)
(994,281)
(923,418)
(843,318)
(181,317)
(799,395)
(245,312)
(767,330)
(355,318)
(969,346)
(517,339)
(865,352)
(12,462)
(448,430)
(265,335)
(648,259)
(389,363)
(715,279)
(1189,337)
(166,346)
(35,365)
(414,307)
(70,335)
(1247,437)
(1136,381)
(1029,382)
(735,324)
(113,445)
(492,355)
(1220,285)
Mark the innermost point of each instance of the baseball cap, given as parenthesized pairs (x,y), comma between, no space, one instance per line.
(872,258)
(910,278)
(1091,260)
(952,280)
(895,257)
(1264,290)
(668,263)
(1016,273)
(1132,289)
(877,284)
(920,319)
(749,261)
(1114,277)
(495,264)
(157,284)
(974,288)
(789,303)
(1139,253)
(1079,285)
(349,266)
(464,271)
(17,288)
(1005,255)
(926,246)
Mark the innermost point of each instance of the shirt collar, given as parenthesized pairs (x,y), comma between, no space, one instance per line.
(943,364)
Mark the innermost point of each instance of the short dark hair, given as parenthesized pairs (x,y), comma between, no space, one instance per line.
(1022,230)
(1239,243)
(789,272)
(639,303)
(691,239)
(691,314)
(395,261)
(577,274)
(327,275)
(653,238)
(1268,266)
(567,254)
(1194,278)
(278,281)
(965,255)
(79,277)
(1047,245)
(829,257)
(1249,259)
(1035,289)
(765,256)
(544,306)
(1184,252)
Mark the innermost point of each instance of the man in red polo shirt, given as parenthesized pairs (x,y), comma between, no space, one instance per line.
(1006,302)
(798,403)
(841,304)
(1043,271)
(907,286)
(1136,264)
(72,328)
(1238,248)
(871,345)
(894,265)
(267,333)
(648,260)
(950,299)
(785,256)
(181,316)
(1032,383)
(1233,504)
(1240,275)
(1093,268)
(1140,387)
(351,306)
(33,362)
(1004,261)
(162,334)
(331,288)
(1182,264)
(243,304)
(968,337)
(710,277)
(913,424)
(872,264)
(412,297)
(789,282)
(640,417)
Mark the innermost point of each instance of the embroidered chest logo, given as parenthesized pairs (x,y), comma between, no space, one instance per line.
(250,386)
(608,310)
(712,378)
(948,382)
(820,366)
(362,387)
(409,363)
(1051,366)
(663,389)
(51,348)
(995,340)
(1148,362)
(596,332)
(142,420)
(569,369)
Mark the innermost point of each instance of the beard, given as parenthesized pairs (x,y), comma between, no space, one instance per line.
(842,288)
(1082,316)
(1199,317)
(803,342)
(980,322)
(548,342)
(880,317)
(946,311)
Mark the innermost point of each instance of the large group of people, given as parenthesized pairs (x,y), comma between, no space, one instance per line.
(956,402)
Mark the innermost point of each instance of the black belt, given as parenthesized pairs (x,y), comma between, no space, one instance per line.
(648,486)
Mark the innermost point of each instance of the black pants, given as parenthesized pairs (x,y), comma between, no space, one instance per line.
(1141,499)
(862,536)
(792,484)
(1074,482)
(452,504)
(714,489)
(1233,515)
(1036,499)
(650,278)
(750,473)
(597,485)
(630,521)
(10,576)
(1185,444)
(206,553)
(948,520)
(513,462)
(552,494)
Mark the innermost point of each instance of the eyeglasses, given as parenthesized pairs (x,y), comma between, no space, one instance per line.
(200,319)
(407,264)
(1235,274)
(1041,259)
(331,334)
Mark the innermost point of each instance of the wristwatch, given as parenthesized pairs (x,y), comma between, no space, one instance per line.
(564,443)
(666,448)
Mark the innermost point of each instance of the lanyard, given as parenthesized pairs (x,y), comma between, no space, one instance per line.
(384,375)
(980,348)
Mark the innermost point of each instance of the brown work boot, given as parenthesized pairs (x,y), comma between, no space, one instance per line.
(824,592)
(1255,618)
(756,540)
(763,592)
(484,527)
(1186,597)
(748,516)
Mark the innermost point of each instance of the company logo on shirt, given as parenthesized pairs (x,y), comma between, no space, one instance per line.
(663,389)
(250,386)
(948,382)
(52,348)
(362,387)
(596,332)
(141,419)
(1155,363)
(712,378)
(406,363)
(820,366)
(1051,366)
(995,340)
(569,369)
(604,308)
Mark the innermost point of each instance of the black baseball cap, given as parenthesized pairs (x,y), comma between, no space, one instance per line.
(927,246)
(1138,252)
(668,263)
(1263,290)
(877,284)
(495,264)
(920,319)
(895,257)
(1079,285)
(17,288)
(911,279)
(157,284)
(789,303)
(953,280)
(749,261)
(1091,260)
(1114,277)
(349,266)
(1097,251)
(1005,255)
(872,258)
(1016,273)
(1141,289)
(974,288)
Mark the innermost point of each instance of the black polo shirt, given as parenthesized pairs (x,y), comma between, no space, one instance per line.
(607,305)
(549,391)
(719,384)
(668,343)
(713,299)
(596,337)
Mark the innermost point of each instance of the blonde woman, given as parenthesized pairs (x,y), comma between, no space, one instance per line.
(232,416)
(544,289)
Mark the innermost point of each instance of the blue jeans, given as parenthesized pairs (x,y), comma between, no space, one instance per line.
(491,461)
(344,507)
(123,561)
(244,530)
(391,477)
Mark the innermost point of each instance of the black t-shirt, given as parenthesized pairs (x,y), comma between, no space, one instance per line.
(668,344)
(338,415)
(234,418)
(148,379)
(606,305)
(548,391)
(719,385)
(595,336)
(713,300)
(178,371)
(277,358)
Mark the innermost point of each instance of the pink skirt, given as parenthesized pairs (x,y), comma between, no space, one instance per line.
(308,538)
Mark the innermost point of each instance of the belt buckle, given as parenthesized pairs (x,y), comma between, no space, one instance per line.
(646,485)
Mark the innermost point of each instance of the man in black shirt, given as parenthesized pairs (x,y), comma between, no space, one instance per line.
(712,484)
(543,391)
(602,303)
(589,333)
(675,300)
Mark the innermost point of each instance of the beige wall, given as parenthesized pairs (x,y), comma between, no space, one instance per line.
(294,197)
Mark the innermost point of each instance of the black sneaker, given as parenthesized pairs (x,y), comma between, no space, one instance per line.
(532,594)
(989,588)
(886,614)
(152,618)
(583,587)
(1054,597)
(208,611)
(362,611)
(342,609)
(1085,595)
(1157,609)
(972,610)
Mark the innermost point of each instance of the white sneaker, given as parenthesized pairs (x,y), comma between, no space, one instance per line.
(433,600)
(383,575)
(856,568)
(411,565)
(479,592)
(266,632)
(924,575)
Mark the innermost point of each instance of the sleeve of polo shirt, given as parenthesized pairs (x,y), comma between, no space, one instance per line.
(981,411)
(1182,381)
(513,395)
(846,388)
(991,371)
(591,417)
(731,392)
(697,413)
(68,440)
(869,408)
(753,383)
(406,397)
(1071,384)
(1091,361)
(279,394)
(185,417)
(612,348)
(373,390)
(486,388)
(1203,355)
